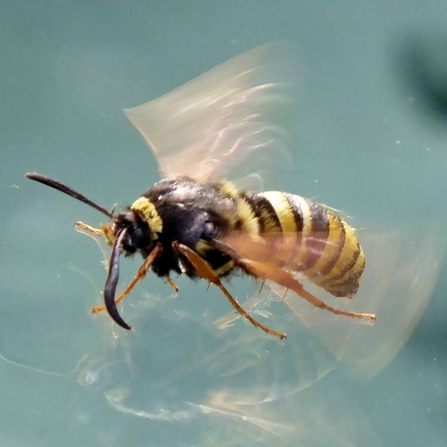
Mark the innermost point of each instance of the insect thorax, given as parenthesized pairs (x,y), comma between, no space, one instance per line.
(190,213)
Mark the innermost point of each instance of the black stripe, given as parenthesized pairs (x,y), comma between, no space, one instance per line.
(296,210)
(347,268)
(316,239)
(295,207)
(263,210)
(349,287)
(217,259)
(332,261)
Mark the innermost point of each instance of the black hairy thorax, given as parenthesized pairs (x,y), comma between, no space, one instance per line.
(191,214)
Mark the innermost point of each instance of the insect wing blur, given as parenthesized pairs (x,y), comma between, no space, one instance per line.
(227,123)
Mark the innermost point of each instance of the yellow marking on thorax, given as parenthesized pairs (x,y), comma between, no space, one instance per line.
(148,212)
(202,247)
(228,188)
(228,266)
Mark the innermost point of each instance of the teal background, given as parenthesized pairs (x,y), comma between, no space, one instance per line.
(371,139)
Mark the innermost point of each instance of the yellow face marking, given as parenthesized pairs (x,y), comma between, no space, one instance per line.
(148,212)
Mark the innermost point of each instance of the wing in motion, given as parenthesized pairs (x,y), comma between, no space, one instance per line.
(230,116)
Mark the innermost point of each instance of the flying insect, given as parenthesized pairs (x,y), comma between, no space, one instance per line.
(197,223)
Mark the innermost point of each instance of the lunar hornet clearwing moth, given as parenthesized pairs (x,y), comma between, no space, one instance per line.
(194,222)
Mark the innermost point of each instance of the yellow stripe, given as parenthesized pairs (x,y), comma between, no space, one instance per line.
(351,278)
(285,254)
(306,214)
(331,249)
(249,221)
(146,209)
(282,209)
(294,242)
(344,278)
(228,188)
(350,249)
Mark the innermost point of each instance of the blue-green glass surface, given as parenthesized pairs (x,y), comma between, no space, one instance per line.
(370,139)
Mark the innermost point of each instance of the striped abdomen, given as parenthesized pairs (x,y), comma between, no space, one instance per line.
(312,240)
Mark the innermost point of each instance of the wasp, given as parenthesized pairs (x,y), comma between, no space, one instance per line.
(197,223)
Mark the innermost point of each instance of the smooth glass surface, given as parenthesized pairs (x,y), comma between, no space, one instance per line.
(371,134)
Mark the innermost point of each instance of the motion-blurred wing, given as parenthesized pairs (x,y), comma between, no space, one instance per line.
(334,264)
(401,272)
(402,268)
(231,116)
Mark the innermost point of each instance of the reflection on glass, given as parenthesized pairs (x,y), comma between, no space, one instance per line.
(230,382)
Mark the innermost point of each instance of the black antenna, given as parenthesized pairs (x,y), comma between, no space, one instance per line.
(66,190)
(113,274)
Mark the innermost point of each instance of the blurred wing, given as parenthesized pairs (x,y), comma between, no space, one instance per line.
(276,248)
(401,271)
(230,116)
(333,262)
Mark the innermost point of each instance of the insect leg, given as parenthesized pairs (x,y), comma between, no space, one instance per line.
(262,285)
(206,272)
(105,231)
(82,227)
(172,283)
(286,279)
(141,273)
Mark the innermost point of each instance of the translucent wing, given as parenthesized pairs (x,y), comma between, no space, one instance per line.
(291,252)
(402,268)
(401,272)
(298,236)
(233,115)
